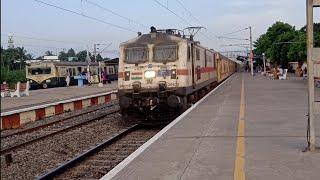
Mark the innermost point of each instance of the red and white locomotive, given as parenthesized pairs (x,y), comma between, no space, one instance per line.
(161,73)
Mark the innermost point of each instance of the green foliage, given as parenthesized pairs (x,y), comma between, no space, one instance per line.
(99,58)
(63,56)
(12,76)
(298,51)
(13,62)
(71,53)
(271,43)
(82,56)
(48,53)
(282,43)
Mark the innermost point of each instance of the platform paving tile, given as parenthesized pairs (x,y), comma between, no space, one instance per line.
(276,131)
(44,96)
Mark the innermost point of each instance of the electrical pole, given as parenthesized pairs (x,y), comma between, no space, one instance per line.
(95,51)
(251,53)
(10,41)
(95,60)
(312,57)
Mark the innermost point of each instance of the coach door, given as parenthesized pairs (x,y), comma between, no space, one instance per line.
(192,64)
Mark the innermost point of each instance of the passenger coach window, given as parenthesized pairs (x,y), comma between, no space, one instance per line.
(188,53)
(36,71)
(198,54)
(136,55)
(111,70)
(165,53)
(208,57)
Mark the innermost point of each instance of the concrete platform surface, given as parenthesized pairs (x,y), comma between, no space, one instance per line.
(206,144)
(44,96)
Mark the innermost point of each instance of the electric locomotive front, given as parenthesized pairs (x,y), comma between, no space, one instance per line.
(149,85)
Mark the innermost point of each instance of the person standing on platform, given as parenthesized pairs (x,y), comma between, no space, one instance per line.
(104,77)
(68,78)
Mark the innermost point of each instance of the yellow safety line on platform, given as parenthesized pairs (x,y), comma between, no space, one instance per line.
(239,171)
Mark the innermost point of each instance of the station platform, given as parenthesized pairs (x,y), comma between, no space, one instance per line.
(51,95)
(247,128)
(43,103)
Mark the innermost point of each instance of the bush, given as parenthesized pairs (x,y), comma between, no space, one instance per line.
(12,76)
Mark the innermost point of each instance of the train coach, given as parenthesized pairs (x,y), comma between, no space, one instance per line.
(161,73)
(53,73)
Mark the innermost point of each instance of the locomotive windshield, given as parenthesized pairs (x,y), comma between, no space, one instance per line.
(136,55)
(165,53)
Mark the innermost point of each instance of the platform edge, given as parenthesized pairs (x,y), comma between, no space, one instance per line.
(111,174)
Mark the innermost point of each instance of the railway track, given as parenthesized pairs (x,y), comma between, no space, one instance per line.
(54,130)
(41,126)
(100,159)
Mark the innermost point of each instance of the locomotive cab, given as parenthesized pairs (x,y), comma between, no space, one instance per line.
(149,74)
(163,72)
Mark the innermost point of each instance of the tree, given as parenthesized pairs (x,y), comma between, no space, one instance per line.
(9,55)
(71,53)
(274,43)
(82,56)
(21,52)
(29,56)
(99,58)
(63,56)
(298,49)
(282,43)
(48,53)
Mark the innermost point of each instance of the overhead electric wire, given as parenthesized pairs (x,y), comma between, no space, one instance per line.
(89,17)
(235,31)
(223,37)
(289,42)
(181,18)
(32,45)
(185,21)
(117,14)
(189,12)
(42,39)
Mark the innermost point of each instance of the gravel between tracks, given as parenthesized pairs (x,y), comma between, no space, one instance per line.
(33,160)
(17,139)
(100,163)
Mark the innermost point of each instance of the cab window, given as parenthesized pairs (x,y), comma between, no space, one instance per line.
(165,53)
(136,55)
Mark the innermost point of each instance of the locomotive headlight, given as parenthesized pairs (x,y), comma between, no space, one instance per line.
(149,74)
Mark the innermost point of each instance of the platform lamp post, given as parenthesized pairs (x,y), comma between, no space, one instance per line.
(264,63)
(100,83)
(88,59)
(251,52)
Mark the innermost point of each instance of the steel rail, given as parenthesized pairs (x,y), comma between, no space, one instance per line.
(69,164)
(11,148)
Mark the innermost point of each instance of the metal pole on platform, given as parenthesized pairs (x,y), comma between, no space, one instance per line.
(251,53)
(100,82)
(264,63)
(312,140)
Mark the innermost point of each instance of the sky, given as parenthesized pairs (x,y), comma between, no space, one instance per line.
(39,27)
